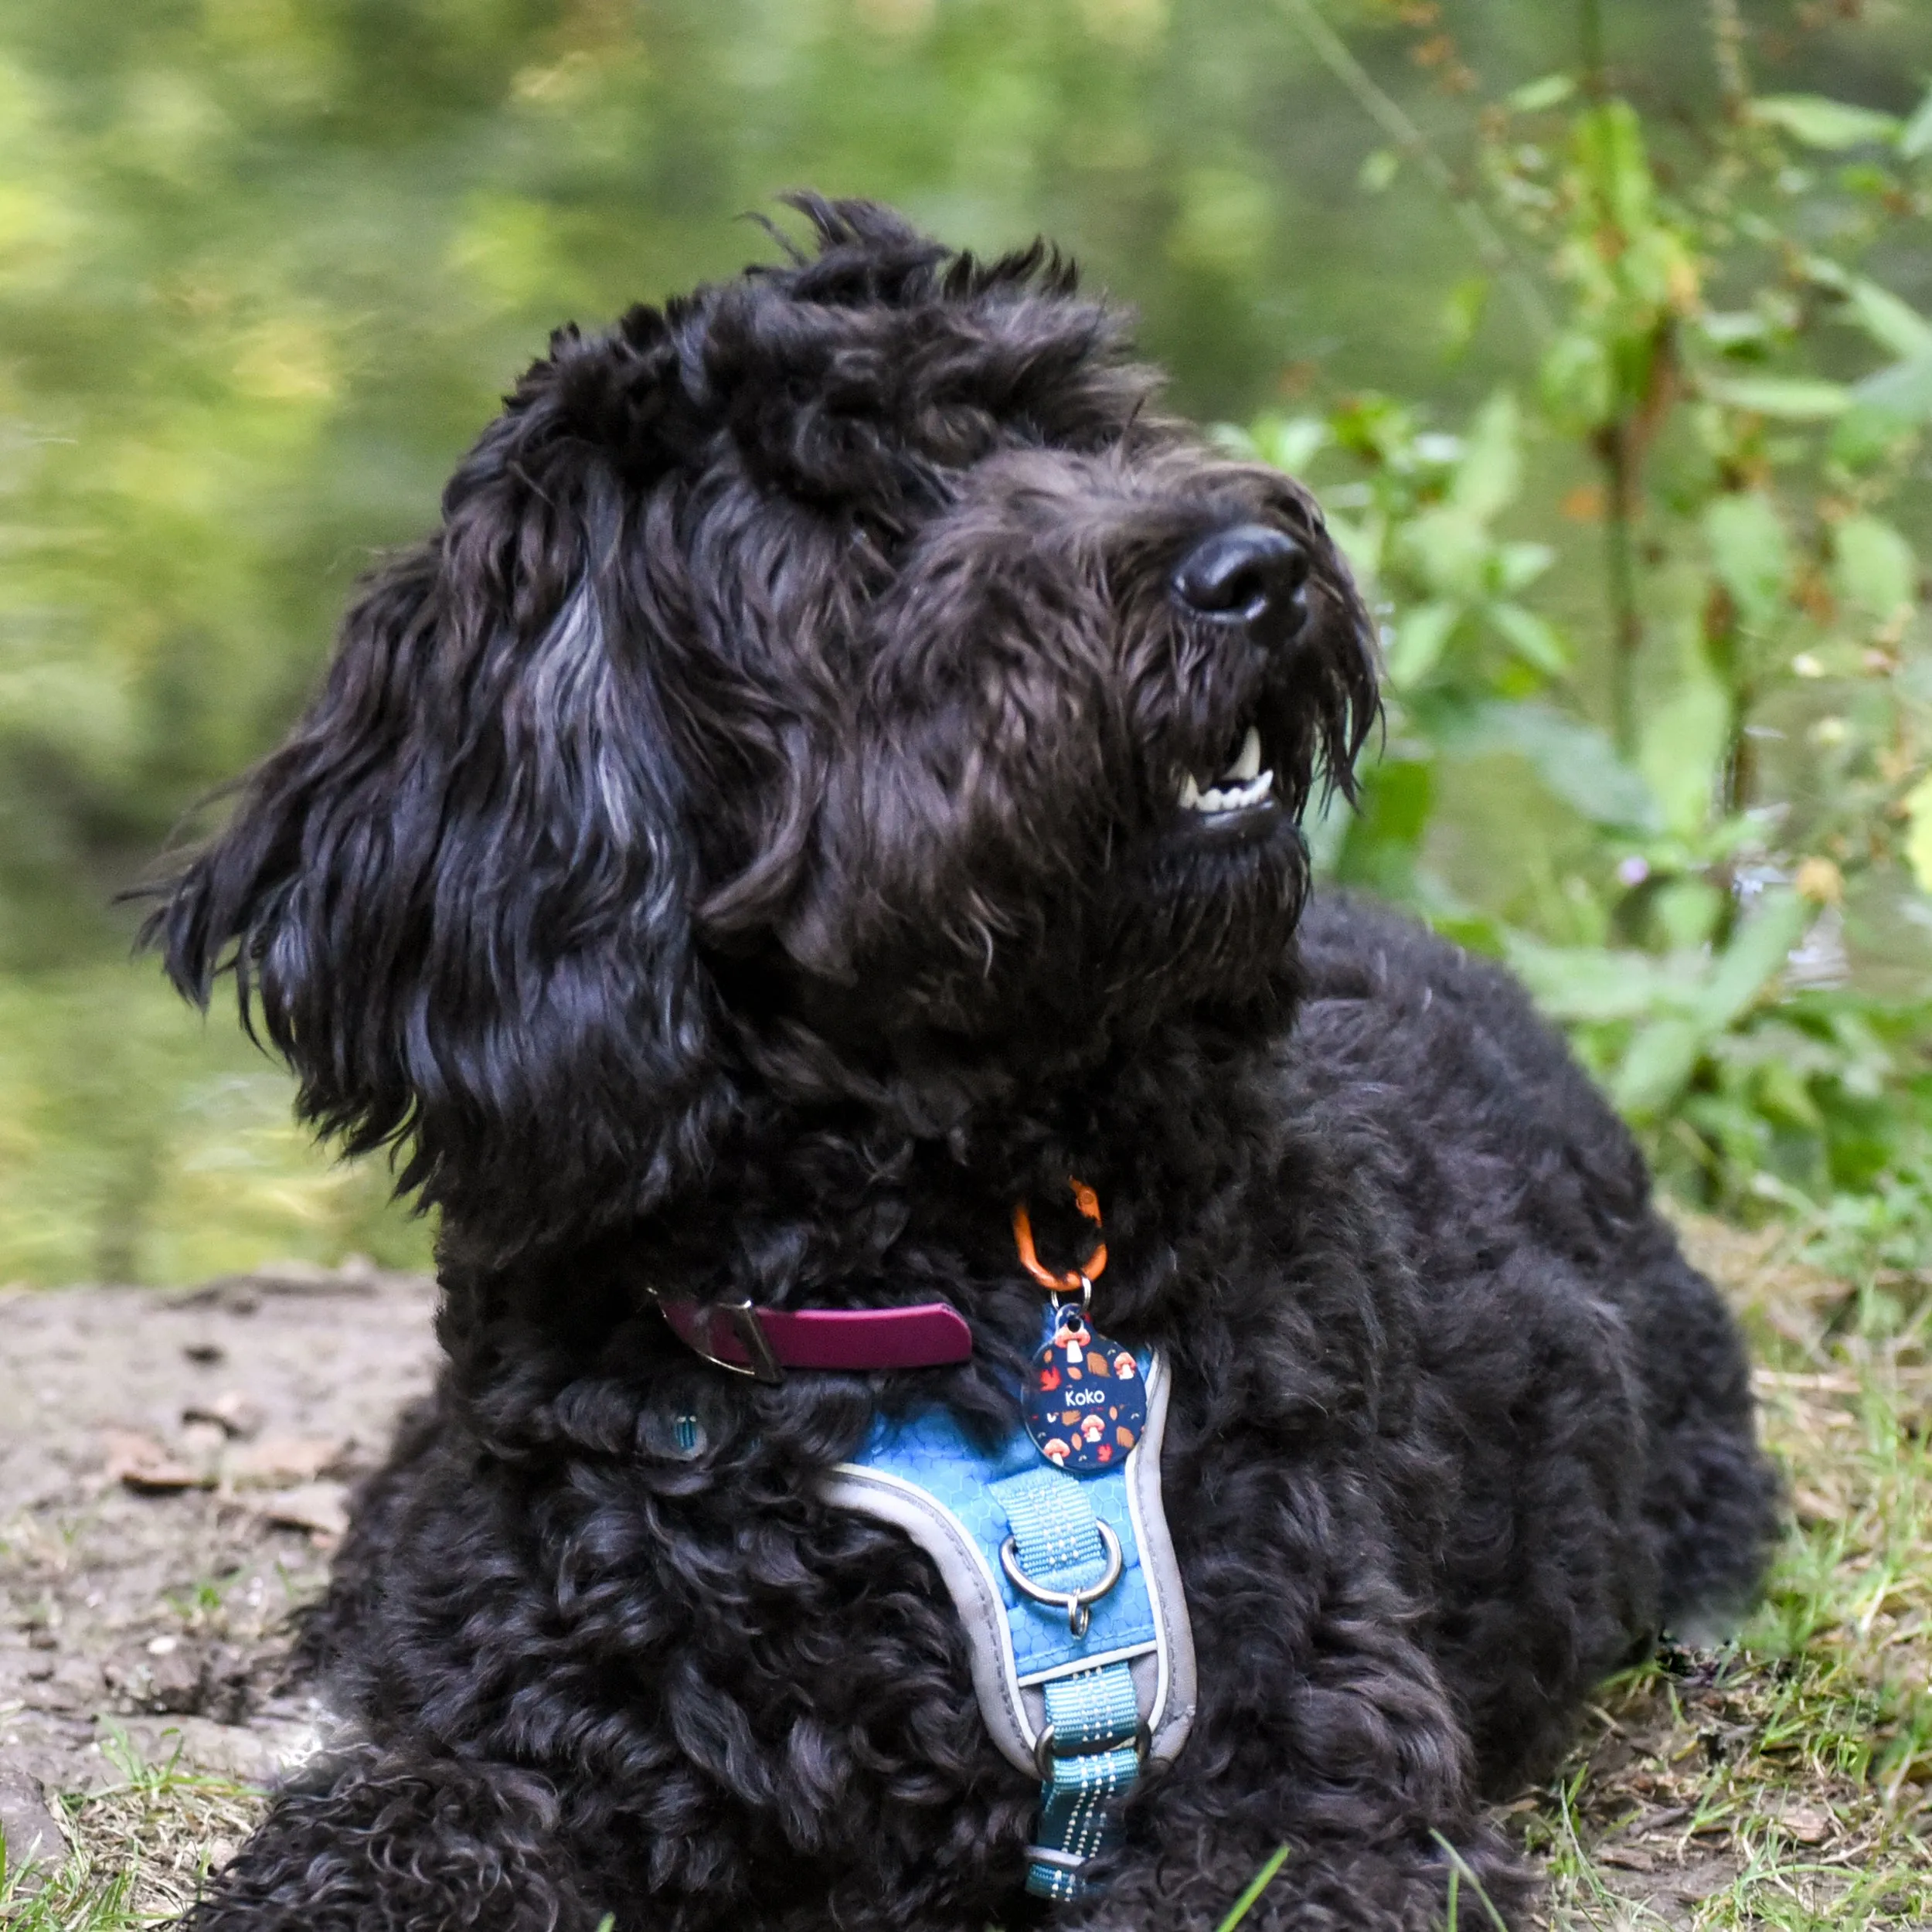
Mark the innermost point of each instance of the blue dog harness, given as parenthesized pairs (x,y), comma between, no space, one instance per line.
(1067,1587)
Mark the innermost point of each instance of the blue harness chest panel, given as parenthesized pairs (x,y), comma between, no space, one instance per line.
(1067,1587)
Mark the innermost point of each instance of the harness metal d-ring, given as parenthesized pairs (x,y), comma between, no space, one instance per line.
(1078,1603)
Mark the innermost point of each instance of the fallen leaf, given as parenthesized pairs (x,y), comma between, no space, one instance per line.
(142,1462)
(1808,1824)
(1813,1511)
(1628,1858)
(277,1462)
(322,1507)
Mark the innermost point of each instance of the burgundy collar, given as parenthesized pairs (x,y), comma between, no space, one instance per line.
(764,1342)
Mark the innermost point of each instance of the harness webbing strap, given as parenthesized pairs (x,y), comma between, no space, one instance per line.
(1095,1714)
(1078,1701)
(1095,1717)
(1053,1527)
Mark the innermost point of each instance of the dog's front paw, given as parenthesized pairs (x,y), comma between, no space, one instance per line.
(397,1843)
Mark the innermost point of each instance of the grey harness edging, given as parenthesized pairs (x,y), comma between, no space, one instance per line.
(1067,1588)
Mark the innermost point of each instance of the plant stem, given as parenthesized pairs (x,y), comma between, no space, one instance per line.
(1622,446)
(1388,113)
(1724,652)
(1723,640)
(1727,46)
(1613,452)
(1618,451)
(1590,38)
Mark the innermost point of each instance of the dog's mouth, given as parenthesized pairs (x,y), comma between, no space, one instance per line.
(1241,795)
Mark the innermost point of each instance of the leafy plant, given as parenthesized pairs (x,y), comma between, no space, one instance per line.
(1729,393)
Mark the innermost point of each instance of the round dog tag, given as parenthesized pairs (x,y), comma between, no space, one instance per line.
(1085,1403)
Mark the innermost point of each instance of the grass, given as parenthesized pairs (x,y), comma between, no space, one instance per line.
(1780,1784)
(1784,1781)
(139,1849)
(1252,1891)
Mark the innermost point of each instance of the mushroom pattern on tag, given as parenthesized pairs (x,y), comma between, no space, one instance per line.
(1085,1401)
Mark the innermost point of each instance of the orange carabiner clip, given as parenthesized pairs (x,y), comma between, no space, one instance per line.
(1078,1279)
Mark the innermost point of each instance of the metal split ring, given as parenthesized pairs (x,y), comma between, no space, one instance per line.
(1061,1308)
(1078,1603)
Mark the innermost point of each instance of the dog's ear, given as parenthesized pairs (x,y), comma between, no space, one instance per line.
(458,897)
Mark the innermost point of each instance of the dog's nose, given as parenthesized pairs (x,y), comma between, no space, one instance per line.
(1248,572)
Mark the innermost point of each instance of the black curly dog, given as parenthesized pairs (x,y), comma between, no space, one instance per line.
(762,836)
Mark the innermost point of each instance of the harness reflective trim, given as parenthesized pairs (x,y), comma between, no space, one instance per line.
(1077,1709)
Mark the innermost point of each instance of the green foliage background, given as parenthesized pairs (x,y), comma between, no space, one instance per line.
(265,265)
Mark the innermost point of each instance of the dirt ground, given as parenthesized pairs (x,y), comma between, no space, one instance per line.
(174,1469)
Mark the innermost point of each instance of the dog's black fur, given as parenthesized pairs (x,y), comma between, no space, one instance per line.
(739,853)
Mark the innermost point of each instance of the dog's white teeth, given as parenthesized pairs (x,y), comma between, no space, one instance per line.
(1228,796)
(1249,762)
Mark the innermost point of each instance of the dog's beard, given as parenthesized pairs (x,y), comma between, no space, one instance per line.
(1172,927)
(1202,920)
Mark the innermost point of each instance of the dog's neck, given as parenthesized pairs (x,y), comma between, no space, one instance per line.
(839,1205)
(1182,1141)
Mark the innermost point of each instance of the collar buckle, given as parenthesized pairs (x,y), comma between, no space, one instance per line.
(761,1364)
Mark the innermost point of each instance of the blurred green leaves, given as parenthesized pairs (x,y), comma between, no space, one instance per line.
(1833,125)
(1874,570)
(1422,530)
(266,266)
(1750,554)
(1678,1009)
(1697,910)
(137,1145)
(1918,838)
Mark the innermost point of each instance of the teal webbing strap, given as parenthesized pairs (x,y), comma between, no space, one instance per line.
(1095,1760)
(1053,1523)
(1095,1716)
(1080,1694)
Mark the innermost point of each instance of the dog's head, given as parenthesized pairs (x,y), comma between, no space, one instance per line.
(836,685)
